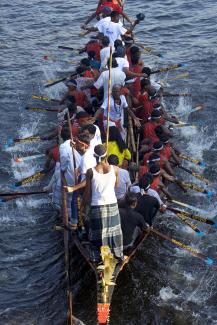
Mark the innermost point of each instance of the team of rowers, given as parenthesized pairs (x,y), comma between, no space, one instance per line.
(112,210)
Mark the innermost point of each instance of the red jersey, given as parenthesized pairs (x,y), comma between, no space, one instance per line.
(149,131)
(156,181)
(94,46)
(80,98)
(166,152)
(55,153)
(143,170)
(137,69)
(113,6)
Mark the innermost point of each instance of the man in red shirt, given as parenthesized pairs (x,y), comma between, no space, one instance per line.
(149,127)
(148,101)
(80,97)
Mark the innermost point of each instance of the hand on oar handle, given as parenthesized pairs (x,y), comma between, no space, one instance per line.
(68,189)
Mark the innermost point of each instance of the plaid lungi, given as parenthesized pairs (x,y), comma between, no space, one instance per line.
(105,230)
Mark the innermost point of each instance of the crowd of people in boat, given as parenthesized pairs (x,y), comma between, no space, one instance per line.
(113,195)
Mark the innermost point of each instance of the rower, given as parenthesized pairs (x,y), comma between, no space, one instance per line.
(149,127)
(104,218)
(124,178)
(168,152)
(80,97)
(147,205)
(93,133)
(132,222)
(164,163)
(123,63)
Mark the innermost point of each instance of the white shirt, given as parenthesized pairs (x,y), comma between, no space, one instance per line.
(116,111)
(117,76)
(104,56)
(67,163)
(87,161)
(122,63)
(112,30)
(97,138)
(124,183)
(104,22)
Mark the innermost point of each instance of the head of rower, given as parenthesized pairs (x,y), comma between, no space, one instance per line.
(115,17)
(116,92)
(82,143)
(89,130)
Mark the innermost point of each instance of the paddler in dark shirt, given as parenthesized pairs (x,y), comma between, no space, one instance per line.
(132,222)
(147,205)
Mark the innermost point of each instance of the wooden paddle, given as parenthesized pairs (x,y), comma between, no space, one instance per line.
(181,245)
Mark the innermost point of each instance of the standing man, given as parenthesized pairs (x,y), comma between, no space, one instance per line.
(118,104)
(104,219)
(69,161)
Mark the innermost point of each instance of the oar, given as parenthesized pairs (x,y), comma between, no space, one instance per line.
(177,95)
(55,82)
(194,216)
(179,76)
(41,109)
(21,159)
(66,48)
(32,138)
(196,175)
(195,161)
(198,108)
(14,196)
(55,59)
(197,188)
(172,67)
(35,177)
(188,206)
(149,50)
(183,217)
(21,193)
(45,98)
(185,247)
(183,125)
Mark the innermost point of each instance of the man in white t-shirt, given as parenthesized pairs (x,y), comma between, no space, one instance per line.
(124,178)
(112,28)
(67,157)
(104,53)
(117,77)
(94,134)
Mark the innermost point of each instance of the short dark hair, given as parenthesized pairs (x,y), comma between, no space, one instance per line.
(91,128)
(71,99)
(144,83)
(85,61)
(82,115)
(131,198)
(65,133)
(114,63)
(114,14)
(83,138)
(146,70)
(105,41)
(113,160)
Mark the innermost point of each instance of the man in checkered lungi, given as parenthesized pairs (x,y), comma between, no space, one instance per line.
(104,219)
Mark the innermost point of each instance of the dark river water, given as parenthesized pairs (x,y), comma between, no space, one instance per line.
(162,284)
